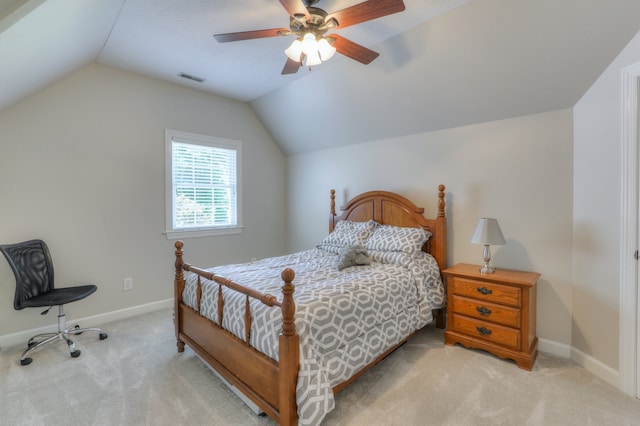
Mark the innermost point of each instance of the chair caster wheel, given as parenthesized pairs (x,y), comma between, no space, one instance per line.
(103,336)
(76,353)
(26,361)
(77,327)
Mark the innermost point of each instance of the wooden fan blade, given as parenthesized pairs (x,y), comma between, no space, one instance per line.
(352,50)
(295,7)
(290,67)
(366,11)
(248,35)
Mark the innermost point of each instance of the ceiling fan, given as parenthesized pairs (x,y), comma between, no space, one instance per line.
(310,24)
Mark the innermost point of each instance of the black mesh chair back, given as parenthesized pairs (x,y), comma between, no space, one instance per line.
(32,267)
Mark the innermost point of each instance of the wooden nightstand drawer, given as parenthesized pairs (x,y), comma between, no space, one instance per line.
(494,333)
(490,292)
(486,311)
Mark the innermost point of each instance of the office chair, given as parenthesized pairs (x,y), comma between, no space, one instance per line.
(32,266)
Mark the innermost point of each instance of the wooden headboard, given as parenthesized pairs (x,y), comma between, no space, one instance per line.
(388,208)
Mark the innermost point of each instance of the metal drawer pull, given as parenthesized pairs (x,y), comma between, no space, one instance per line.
(484,290)
(483,331)
(483,311)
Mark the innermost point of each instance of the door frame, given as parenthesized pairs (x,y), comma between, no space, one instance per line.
(629,340)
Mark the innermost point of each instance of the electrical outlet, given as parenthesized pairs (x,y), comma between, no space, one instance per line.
(127,284)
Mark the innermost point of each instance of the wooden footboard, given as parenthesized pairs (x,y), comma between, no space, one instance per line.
(269,384)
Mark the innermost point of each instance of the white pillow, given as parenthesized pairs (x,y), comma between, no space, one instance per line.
(348,233)
(396,238)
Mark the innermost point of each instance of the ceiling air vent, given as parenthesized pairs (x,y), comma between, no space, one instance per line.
(191,77)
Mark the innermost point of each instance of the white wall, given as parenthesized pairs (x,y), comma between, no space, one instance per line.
(82,167)
(517,170)
(597,212)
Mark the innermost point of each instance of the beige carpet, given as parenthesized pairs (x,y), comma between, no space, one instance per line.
(136,377)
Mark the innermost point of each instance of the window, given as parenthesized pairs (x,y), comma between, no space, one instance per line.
(202,175)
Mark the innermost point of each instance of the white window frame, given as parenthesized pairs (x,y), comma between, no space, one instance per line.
(210,141)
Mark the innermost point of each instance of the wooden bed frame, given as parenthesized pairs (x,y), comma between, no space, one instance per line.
(269,384)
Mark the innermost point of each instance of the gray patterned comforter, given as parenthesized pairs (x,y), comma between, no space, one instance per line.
(345,319)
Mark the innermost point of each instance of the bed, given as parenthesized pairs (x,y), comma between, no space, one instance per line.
(359,295)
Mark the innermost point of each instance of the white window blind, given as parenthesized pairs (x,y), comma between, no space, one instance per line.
(204,183)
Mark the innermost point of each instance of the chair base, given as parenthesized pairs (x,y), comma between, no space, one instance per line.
(63,333)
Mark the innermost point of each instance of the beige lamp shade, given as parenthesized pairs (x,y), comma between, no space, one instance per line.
(488,232)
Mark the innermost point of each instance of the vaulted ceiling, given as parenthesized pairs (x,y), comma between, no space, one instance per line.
(442,63)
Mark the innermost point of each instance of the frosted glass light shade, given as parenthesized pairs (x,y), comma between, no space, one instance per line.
(309,44)
(294,51)
(325,49)
(312,59)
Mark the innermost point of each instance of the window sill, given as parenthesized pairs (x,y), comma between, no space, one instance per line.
(182,234)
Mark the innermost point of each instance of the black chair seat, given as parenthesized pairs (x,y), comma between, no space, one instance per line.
(60,296)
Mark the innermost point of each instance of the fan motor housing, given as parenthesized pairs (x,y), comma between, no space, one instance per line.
(315,23)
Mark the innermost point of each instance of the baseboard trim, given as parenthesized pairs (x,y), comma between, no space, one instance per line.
(596,367)
(21,337)
(554,348)
(589,363)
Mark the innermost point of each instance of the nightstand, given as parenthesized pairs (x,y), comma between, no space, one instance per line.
(494,312)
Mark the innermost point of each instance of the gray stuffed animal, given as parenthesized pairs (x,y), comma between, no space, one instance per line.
(352,256)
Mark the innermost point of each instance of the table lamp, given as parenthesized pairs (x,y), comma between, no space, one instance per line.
(488,233)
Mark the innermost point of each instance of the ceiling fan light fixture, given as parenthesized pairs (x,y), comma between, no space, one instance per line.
(310,49)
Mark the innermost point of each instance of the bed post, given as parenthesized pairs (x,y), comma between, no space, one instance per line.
(441,225)
(332,213)
(441,200)
(441,231)
(289,353)
(177,296)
